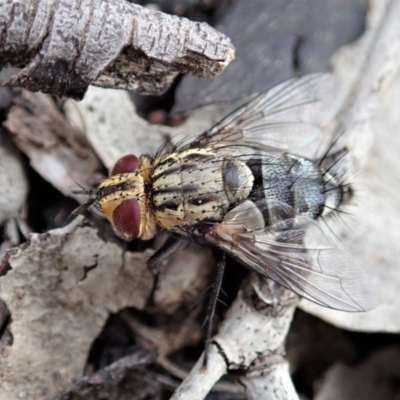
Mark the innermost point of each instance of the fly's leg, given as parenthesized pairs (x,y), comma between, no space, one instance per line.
(216,288)
(169,247)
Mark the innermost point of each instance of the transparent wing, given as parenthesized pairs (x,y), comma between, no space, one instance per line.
(296,254)
(288,115)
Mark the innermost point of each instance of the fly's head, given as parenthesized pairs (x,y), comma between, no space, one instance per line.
(123,199)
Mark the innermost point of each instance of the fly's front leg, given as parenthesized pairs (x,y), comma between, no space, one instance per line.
(169,247)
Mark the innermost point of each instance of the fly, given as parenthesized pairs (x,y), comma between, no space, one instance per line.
(239,188)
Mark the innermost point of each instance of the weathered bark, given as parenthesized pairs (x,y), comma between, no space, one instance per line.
(63,47)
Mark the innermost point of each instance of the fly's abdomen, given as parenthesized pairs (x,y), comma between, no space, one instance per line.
(197,185)
(288,185)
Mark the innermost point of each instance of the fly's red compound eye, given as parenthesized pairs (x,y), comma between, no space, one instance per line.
(126,219)
(125,164)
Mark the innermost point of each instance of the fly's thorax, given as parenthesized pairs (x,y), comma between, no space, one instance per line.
(124,201)
(197,185)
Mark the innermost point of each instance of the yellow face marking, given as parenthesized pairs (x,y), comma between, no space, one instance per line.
(132,186)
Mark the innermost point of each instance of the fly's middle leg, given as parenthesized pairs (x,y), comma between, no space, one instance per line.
(168,248)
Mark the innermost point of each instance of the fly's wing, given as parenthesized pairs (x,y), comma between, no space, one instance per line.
(296,254)
(288,115)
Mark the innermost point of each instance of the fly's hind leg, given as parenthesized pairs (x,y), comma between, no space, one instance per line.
(169,247)
(216,288)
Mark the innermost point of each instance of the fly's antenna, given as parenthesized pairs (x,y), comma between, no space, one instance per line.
(89,192)
(76,183)
(87,204)
(82,190)
(81,209)
(164,148)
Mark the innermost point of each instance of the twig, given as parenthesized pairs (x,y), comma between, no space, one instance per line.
(107,377)
(251,339)
(182,374)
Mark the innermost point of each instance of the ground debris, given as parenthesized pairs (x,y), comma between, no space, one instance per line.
(59,291)
(126,372)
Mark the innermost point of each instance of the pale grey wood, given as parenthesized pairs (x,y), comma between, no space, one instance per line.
(251,339)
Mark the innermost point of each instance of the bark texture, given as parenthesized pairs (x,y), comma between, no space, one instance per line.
(65,46)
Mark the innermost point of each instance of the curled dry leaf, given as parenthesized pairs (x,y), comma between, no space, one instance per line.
(179,296)
(176,302)
(57,151)
(64,47)
(109,120)
(13,195)
(184,278)
(59,290)
(13,181)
